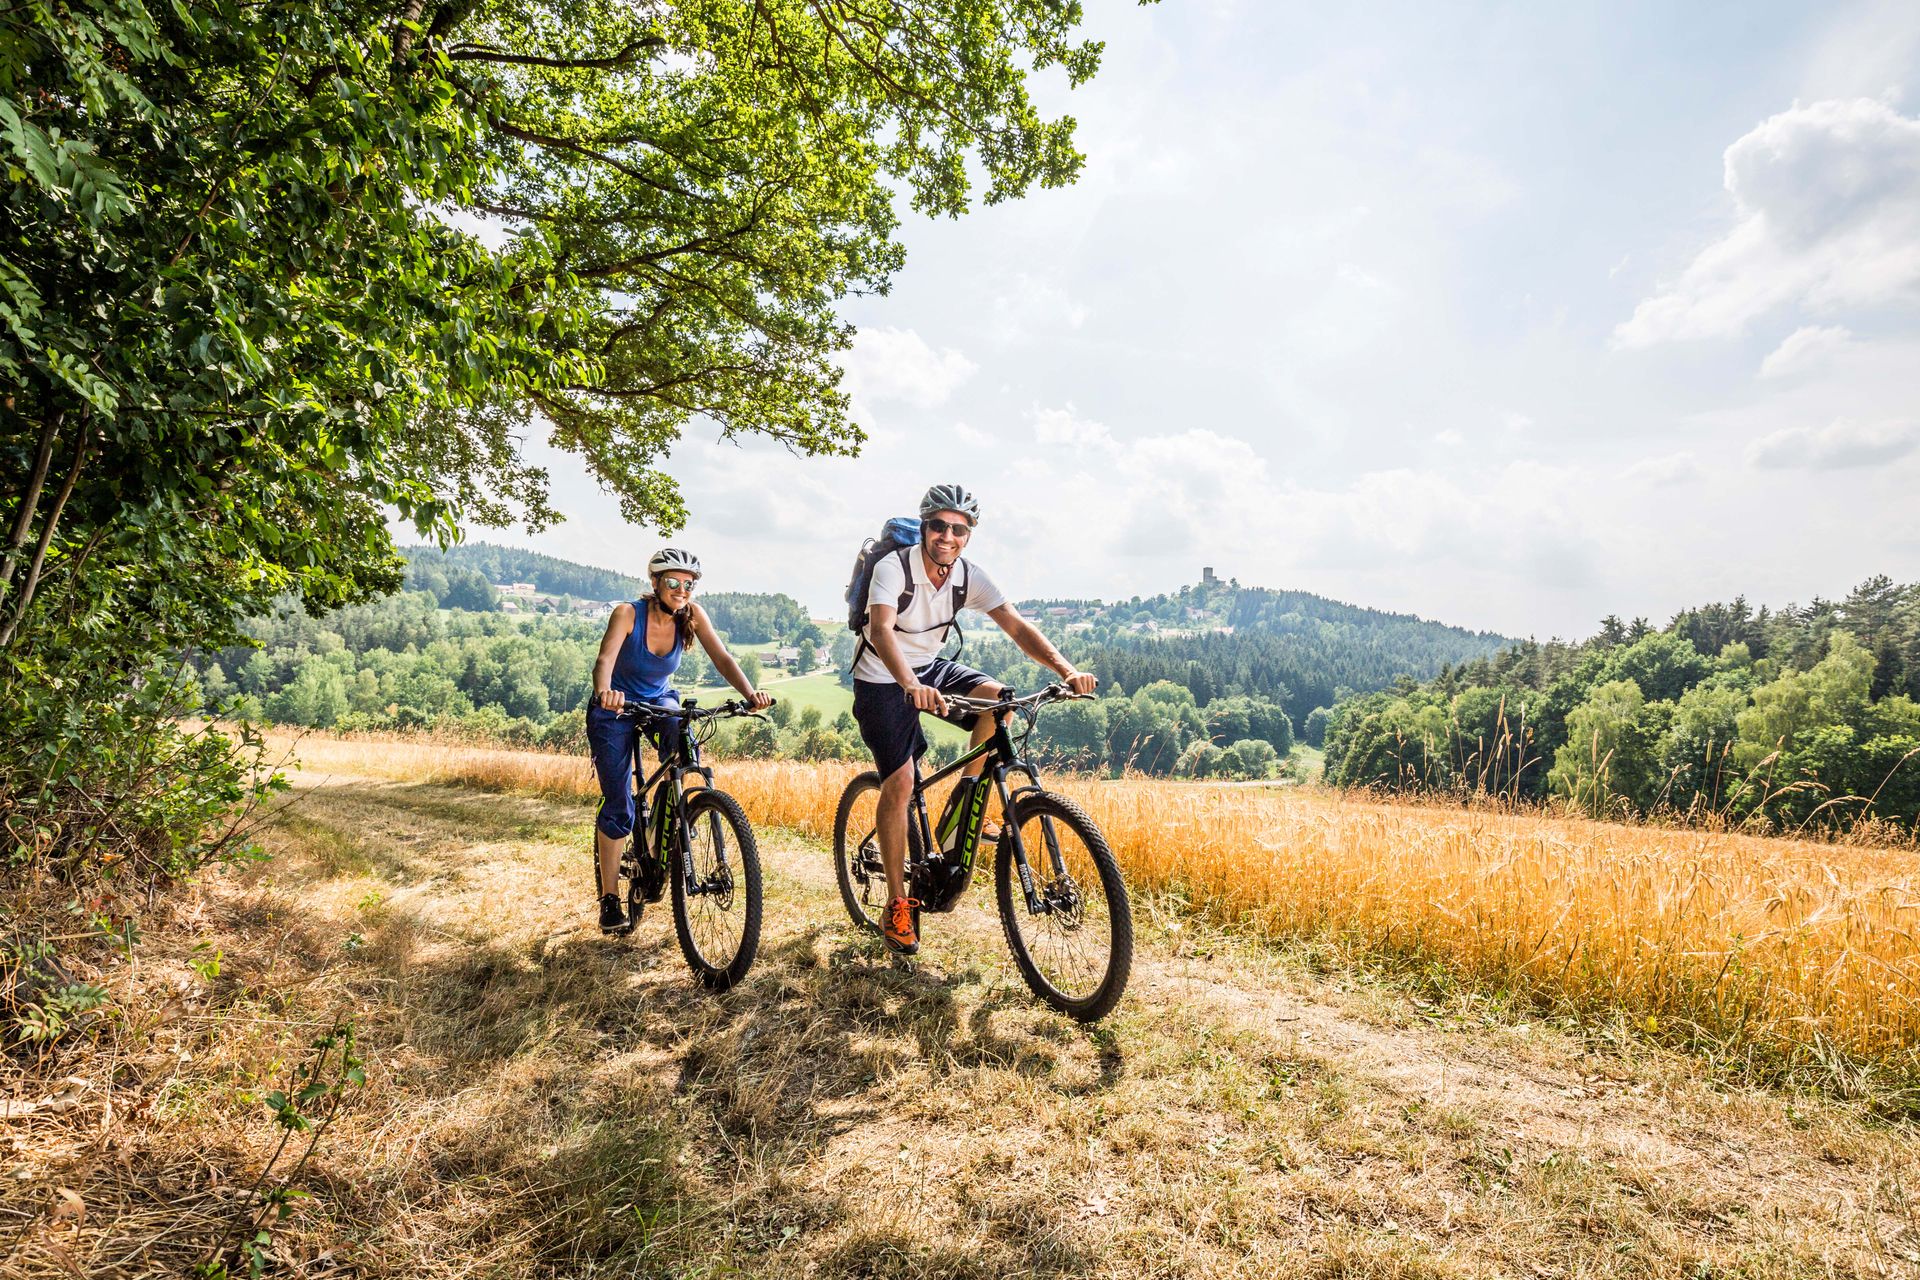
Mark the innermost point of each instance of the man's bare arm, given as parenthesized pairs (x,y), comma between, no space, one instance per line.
(1039,648)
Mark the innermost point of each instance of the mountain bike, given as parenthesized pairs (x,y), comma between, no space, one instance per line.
(695,840)
(1066,916)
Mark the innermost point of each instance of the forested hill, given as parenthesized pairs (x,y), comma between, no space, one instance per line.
(547,573)
(1300,650)
(1805,714)
(1215,638)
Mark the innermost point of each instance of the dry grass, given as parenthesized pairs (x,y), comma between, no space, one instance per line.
(1776,956)
(542,1102)
(1773,950)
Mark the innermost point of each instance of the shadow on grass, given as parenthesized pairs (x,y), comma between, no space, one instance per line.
(577,1105)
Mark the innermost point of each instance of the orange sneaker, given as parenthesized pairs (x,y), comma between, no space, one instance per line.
(899,931)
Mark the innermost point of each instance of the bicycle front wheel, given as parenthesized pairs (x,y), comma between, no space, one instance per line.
(717,913)
(1074,945)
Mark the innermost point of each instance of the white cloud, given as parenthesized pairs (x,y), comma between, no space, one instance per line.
(1804,348)
(1026,306)
(1835,447)
(1121,510)
(1450,438)
(1871,48)
(1516,421)
(1828,197)
(1063,427)
(899,365)
(1664,472)
(973,437)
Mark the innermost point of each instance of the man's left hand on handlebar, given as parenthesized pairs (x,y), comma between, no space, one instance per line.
(1081,683)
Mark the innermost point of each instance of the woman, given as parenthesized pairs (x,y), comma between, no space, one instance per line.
(638,656)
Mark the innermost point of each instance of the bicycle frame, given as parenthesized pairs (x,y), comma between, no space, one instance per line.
(671,775)
(1005,761)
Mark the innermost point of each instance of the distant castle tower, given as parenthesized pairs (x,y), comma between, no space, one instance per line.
(1207,579)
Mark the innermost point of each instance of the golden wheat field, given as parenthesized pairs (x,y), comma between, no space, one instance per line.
(1766,952)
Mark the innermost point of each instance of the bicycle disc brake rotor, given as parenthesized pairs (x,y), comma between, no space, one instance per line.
(867,865)
(1064,902)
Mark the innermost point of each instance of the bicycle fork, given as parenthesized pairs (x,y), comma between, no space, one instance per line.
(674,835)
(1010,831)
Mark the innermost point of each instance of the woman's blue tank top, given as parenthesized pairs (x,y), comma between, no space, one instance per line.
(639,672)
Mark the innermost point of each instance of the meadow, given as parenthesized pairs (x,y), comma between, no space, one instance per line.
(1776,959)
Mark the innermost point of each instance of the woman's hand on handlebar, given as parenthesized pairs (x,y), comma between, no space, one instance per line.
(758,701)
(1081,683)
(610,699)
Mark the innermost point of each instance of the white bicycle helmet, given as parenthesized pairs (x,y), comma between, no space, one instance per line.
(672,560)
(950,497)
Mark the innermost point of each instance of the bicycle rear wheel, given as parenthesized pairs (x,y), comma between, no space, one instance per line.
(1076,951)
(856,852)
(717,915)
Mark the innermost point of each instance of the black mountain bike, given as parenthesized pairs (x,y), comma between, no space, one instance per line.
(1062,902)
(697,840)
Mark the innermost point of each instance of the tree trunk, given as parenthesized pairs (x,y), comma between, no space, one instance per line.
(23,521)
(46,539)
(404,33)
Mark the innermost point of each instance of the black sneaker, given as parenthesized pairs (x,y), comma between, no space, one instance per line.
(612,918)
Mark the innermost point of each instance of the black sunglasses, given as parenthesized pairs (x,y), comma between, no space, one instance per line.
(958,528)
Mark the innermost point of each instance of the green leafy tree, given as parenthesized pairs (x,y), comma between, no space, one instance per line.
(1250,758)
(1200,759)
(317,697)
(1074,735)
(695,670)
(238,329)
(1608,758)
(1315,730)
(1696,754)
(758,738)
(468,590)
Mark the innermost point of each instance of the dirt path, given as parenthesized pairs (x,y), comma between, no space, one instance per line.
(544,1102)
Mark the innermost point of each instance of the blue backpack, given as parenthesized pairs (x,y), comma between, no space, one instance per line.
(900,537)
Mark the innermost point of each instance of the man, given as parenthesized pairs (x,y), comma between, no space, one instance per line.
(898,674)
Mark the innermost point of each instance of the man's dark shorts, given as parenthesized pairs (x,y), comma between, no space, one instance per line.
(889,722)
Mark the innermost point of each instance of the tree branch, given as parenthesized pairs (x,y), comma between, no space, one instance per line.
(625,58)
(580,149)
(46,538)
(23,521)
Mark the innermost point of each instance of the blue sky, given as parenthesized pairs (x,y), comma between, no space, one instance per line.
(1510,316)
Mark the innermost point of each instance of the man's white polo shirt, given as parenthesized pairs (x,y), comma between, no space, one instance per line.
(921,628)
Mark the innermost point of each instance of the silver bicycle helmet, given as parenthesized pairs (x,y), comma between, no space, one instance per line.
(672,559)
(950,497)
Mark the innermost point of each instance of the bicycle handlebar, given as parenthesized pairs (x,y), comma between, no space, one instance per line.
(1055,692)
(731,707)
